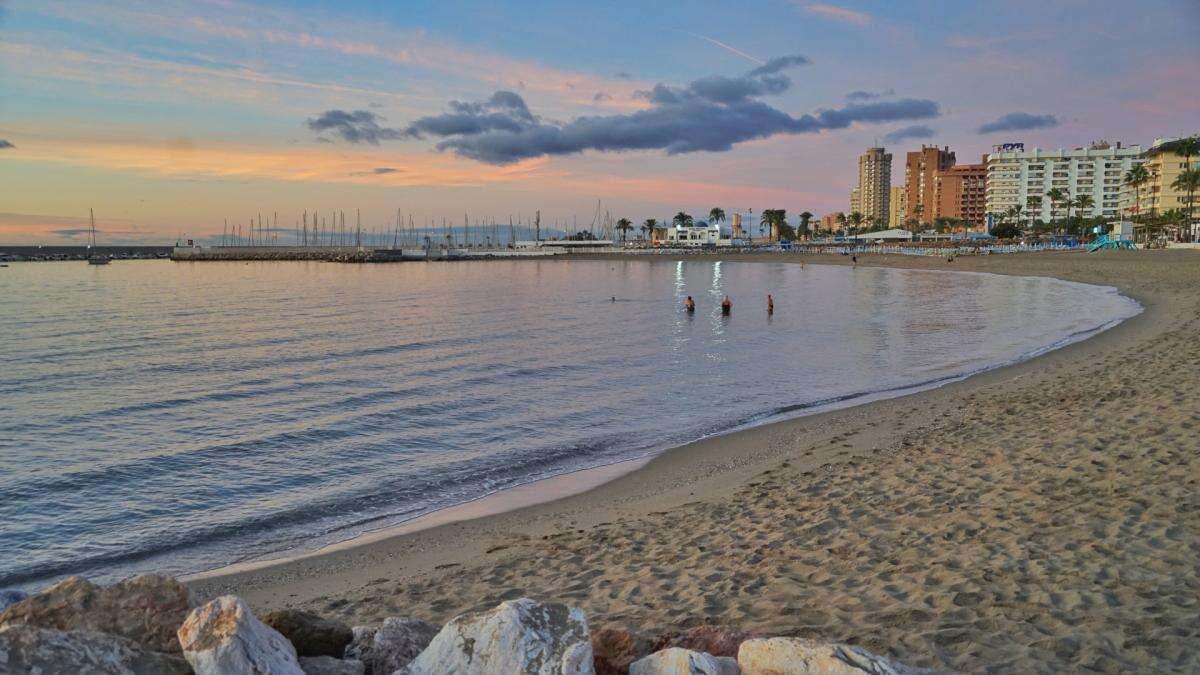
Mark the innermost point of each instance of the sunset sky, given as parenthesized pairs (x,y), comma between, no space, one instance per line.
(169,117)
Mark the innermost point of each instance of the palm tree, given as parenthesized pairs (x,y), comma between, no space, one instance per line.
(1033,203)
(682,219)
(1188,181)
(716,215)
(805,216)
(841,220)
(1136,178)
(1187,147)
(769,219)
(624,225)
(1014,212)
(780,226)
(1056,195)
(1083,203)
(856,221)
(919,209)
(648,228)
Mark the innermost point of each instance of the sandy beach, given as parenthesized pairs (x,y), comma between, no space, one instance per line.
(1040,517)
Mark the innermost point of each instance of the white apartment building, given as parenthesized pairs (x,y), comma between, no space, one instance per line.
(1014,174)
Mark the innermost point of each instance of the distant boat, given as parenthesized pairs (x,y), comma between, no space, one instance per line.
(95,258)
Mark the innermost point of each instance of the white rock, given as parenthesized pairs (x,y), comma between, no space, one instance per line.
(225,637)
(578,659)
(519,636)
(679,661)
(327,665)
(797,656)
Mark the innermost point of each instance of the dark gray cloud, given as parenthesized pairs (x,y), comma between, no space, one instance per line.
(4,145)
(914,131)
(860,95)
(600,97)
(710,114)
(384,169)
(1019,121)
(358,126)
(779,63)
(73,232)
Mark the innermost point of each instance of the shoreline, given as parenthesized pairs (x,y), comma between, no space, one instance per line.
(458,566)
(545,490)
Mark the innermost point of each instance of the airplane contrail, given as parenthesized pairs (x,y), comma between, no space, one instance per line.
(724,46)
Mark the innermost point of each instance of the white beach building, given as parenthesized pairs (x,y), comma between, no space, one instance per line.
(698,234)
(885,236)
(1015,174)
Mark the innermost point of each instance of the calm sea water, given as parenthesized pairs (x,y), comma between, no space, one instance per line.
(173,416)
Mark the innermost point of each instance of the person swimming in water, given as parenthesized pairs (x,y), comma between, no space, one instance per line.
(770,304)
(689,305)
(726,306)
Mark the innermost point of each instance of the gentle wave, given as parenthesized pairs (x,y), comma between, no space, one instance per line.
(183,418)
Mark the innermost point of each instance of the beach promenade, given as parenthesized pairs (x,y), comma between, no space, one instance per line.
(1043,517)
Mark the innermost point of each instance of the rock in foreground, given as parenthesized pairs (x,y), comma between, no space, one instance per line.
(146,609)
(678,661)
(225,637)
(615,649)
(519,636)
(392,646)
(327,665)
(310,634)
(797,656)
(30,649)
(715,640)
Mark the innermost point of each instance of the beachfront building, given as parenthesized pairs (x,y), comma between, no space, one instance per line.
(855,201)
(885,236)
(829,222)
(874,185)
(697,234)
(1164,165)
(1015,174)
(896,207)
(920,173)
(960,193)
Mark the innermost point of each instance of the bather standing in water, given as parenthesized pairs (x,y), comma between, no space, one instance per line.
(770,305)
(726,306)
(689,305)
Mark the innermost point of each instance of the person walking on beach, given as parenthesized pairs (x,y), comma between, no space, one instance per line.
(854,259)
(689,305)
(726,306)
(770,305)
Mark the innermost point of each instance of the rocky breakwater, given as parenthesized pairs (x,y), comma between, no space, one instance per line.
(151,624)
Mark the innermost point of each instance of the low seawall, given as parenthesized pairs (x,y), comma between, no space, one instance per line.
(348,254)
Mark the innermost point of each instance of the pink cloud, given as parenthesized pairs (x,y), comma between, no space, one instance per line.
(835,13)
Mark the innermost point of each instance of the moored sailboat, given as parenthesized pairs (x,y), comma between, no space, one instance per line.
(94,257)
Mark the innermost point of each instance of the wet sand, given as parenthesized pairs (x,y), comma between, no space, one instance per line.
(1040,517)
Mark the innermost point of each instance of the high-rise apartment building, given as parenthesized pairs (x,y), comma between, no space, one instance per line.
(959,193)
(896,204)
(855,202)
(874,185)
(829,222)
(1164,164)
(1015,174)
(920,170)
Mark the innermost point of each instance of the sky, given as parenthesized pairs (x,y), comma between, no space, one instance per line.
(172,118)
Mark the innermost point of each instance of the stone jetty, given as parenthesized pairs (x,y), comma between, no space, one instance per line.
(151,624)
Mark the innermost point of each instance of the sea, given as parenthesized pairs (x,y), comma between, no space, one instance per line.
(179,417)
